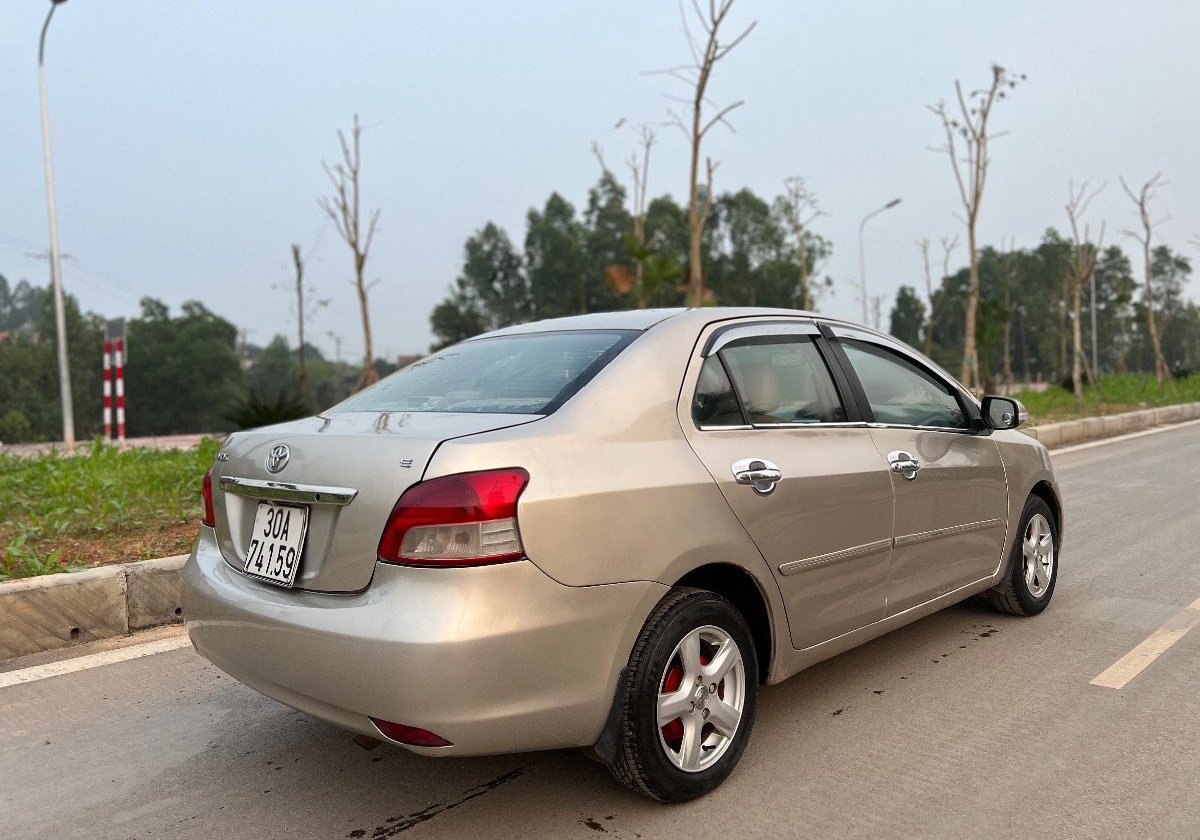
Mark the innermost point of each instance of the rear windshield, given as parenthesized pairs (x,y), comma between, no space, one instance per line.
(519,374)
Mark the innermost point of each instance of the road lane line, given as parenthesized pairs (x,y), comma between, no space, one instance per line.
(92,660)
(1137,660)
(1078,447)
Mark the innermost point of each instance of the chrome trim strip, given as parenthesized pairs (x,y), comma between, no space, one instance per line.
(279,491)
(952,531)
(856,424)
(834,557)
(951,429)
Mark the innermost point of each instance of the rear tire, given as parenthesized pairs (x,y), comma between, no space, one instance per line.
(1033,563)
(689,701)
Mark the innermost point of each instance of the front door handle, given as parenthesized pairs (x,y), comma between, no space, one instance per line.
(904,463)
(760,474)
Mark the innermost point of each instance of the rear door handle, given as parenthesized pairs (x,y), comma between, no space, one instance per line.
(904,463)
(758,473)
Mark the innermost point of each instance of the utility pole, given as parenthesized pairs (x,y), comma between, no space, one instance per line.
(862,255)
(60,320)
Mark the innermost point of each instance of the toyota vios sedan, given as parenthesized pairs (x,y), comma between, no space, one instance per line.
(609,531)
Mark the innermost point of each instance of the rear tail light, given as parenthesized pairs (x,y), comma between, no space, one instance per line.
(210,518)
(409,734)
(469,519)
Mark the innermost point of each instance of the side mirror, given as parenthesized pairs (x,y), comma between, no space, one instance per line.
(1003,413)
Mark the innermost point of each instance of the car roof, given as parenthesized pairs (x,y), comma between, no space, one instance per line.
(644,319)
(623,319)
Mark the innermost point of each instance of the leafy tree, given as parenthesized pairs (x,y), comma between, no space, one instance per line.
(274,375)
(20,305)
(492,291)
(908,316)
(183,373)
(29,399)
(606,224)
(554,260)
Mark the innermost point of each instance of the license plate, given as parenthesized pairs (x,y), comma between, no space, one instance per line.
(277,542)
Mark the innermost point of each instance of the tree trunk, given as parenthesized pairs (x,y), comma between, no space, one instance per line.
(695,270)
(805,295)
(298,260)
(1160,364)
(1077,338)
(369,376)
(970,363)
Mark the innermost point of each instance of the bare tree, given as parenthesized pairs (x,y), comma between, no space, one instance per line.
(800,209)
(343,207)
(1083,263)
(298,261)
(949,243)
(696,75)
(639,170)
(967,126)
(1144,237)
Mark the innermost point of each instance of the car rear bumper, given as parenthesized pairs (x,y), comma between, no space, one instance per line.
(493,659)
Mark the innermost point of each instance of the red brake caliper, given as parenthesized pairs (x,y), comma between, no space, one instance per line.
(673,731)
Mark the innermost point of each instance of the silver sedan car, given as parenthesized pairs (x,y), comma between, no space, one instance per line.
(609,531)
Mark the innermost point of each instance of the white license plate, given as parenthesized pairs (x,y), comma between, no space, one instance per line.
(277,542)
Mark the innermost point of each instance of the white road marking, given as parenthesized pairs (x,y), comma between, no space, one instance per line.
(1077,447)
(92,660)
(1137,660)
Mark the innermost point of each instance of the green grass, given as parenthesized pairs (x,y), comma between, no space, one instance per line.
(100,506)
(1111,395)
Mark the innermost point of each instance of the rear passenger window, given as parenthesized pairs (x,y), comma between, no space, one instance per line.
(715,403)
(783,379)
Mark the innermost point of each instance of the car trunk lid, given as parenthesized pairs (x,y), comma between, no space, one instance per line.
(348,469)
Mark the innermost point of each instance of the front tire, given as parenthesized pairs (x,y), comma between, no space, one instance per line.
(1033,566)
(689,701)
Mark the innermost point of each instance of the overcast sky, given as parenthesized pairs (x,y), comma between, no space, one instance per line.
(188,135)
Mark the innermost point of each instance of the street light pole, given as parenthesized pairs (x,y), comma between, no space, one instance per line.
(1095,354)
(60,321)
(862,253)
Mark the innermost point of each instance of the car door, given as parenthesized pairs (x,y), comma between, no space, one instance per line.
(798,467)
(947,475)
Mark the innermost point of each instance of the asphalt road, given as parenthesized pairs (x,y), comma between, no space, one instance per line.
(965,723)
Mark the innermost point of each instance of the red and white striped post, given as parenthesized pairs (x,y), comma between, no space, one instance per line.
(119,366)
(108,391)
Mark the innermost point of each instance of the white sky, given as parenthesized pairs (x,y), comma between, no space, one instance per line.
(188,135)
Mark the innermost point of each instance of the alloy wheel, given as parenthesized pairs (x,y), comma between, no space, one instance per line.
(702,694)
(1037,549)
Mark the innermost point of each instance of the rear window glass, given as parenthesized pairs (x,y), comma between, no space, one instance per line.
(520,374)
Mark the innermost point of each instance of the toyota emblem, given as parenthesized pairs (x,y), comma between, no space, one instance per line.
(277,458)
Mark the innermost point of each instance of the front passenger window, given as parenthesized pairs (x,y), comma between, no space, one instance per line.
(900,392)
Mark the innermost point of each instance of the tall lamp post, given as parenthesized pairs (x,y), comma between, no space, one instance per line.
(862,253)
(60,321)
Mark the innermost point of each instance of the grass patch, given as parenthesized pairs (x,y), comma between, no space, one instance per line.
(1111,395)
(97,507)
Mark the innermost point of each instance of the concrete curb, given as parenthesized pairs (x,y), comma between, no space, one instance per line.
(53,611)
(1109,425)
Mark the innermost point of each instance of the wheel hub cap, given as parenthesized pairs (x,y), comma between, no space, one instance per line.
(702,694)
(1037,552)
